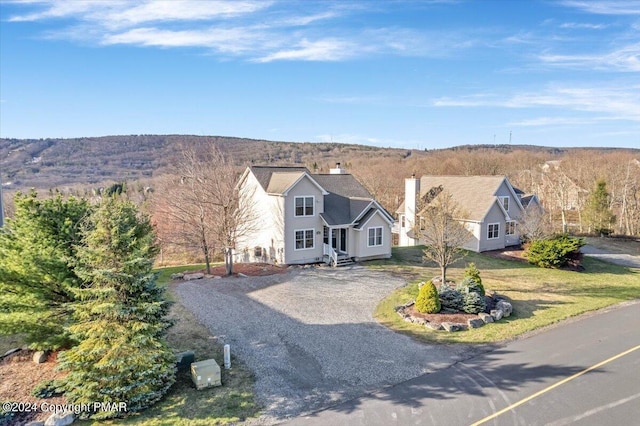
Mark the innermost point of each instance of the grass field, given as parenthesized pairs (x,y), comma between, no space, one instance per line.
(540,297)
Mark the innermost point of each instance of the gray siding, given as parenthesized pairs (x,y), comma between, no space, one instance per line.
(292,223)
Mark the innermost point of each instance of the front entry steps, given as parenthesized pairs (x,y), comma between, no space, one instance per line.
(344,260)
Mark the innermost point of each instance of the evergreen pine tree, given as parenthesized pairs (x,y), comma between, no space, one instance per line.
(597,212)
(120,317)
(37,252)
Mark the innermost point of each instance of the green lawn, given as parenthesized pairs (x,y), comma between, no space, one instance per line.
(540,297)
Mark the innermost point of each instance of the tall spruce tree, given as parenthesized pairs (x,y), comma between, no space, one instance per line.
(37,252)
(120,316)
(597,213)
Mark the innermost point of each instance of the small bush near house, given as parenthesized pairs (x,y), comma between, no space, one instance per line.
(427,301)
(556,252)
(473,303)
(450,299)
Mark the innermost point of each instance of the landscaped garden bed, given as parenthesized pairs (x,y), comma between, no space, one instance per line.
(540,297)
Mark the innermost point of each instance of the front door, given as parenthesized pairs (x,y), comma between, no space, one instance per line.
(339,239)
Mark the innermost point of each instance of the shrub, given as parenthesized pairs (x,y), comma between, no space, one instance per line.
(473,303)
(469,285)
(451,299)
(555,252)
(47,389)
(472,272)
(427,301)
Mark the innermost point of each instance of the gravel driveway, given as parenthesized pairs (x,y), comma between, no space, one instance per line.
(627,260)
(310,337)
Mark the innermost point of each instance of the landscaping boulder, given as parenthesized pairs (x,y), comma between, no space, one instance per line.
(497,314)
(177,276)
(11,351)
(60,419)
(486,318)
(40,356)
(505,307)
(35,423)
(195,276)
(475,322)
(451,326)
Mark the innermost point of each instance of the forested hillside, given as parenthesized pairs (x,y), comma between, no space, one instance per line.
(562,178)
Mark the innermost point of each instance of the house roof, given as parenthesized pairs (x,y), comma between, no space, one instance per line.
(265,174)
(344,185)
(345,199)
(474,194)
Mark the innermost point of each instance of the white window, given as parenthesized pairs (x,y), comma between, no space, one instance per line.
(505,203)
(511,228)
(493,231)
(304,206)
(375,236)
(304,239)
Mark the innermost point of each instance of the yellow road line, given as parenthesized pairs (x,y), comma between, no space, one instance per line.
(561,382)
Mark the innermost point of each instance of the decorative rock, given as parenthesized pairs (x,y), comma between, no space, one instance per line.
(177,276)
(240,274)
(407,319)
(40,356)
(35,423)
(11,351)
(497,314)
(451,326)
(217,277)
(420,321)
(486,318)
(505,307)
(433,326)
(59,419)
(190,277)
(475,322)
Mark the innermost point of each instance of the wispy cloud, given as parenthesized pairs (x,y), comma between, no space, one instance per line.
(330,49)
(625,58)
(582,25)
(605,7)
(618,103)
(278,33)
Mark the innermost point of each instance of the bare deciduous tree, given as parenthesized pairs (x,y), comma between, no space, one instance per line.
(534,224)
(441,228)
(200,206)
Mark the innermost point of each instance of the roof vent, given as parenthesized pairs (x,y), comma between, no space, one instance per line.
(338,170)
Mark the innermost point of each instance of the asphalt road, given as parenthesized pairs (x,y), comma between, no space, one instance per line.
(584,372)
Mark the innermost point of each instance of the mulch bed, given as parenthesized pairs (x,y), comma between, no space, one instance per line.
(249,269)
(439,318)
(516,254)
(19,375)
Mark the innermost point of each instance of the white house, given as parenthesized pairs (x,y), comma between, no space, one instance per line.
(310,218)
(492,204)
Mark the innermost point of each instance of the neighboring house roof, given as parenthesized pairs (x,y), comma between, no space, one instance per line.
(474,194)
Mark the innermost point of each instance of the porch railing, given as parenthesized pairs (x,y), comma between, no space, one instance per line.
(329,251)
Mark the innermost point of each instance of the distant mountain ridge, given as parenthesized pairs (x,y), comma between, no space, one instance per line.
(50,163)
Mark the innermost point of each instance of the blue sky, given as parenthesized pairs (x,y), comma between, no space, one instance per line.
(411,74)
